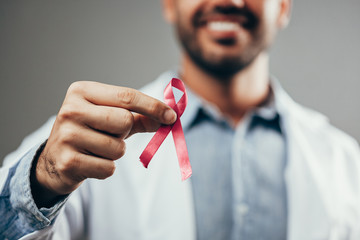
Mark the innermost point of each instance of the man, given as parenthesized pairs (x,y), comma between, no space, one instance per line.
(263,166)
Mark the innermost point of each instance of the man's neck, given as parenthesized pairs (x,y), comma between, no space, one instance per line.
(235,96)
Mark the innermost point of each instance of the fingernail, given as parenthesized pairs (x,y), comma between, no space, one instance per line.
(170,116)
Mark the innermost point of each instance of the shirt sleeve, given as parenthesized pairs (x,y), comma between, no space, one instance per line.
(20,215)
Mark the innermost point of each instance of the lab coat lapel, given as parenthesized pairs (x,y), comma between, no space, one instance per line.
(308,208)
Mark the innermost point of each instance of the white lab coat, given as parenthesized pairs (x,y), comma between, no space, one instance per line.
(322,179)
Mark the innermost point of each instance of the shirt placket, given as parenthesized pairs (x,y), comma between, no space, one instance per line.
(240,178)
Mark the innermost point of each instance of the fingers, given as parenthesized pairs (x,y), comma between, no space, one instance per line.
(78,167)
(96,143)
(143,124)
(118,121)
(127,98)
(94,167)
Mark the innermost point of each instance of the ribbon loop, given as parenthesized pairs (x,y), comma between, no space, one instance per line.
(176,128)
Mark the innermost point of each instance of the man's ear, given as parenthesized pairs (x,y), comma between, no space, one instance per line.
(169,10)
(284,13)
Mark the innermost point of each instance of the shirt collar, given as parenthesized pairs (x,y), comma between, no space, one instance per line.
(198,108)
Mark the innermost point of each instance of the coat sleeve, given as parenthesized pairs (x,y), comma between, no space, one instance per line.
(20,216)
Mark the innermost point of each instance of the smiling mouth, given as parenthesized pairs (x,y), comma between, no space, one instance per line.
(225,31)
(223,26)
(226,20)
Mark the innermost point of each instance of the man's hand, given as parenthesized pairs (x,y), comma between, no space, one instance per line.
(89,134)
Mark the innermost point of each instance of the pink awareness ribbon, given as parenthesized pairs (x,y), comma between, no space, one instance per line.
(176,128)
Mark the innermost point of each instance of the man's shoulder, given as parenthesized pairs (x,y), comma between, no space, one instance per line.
(311,127)
(318,131)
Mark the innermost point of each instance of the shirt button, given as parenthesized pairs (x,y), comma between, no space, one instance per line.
(242,208)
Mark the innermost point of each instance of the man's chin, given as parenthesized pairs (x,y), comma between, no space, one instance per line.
(223,48)
(222,69)
(221,64)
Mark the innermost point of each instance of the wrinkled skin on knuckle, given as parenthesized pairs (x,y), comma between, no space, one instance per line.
(107,171)
(119,149)
(112,145)
(126,96)
(69,161)
(157,109)
(70,169)
(69,112)
(108,117)
(77,88)
(67,135)
(111,169)
(127,121)
(116,148)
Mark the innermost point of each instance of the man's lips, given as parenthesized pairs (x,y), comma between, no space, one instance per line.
(240,20)
(222,29)
(223,26)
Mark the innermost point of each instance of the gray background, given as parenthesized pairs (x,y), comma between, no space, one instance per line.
(46,45)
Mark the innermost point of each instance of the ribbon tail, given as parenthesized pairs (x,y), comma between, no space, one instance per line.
(181,151)
(154,145)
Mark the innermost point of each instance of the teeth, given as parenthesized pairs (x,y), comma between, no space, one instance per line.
(223,26)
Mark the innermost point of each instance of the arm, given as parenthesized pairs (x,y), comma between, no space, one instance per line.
(17,208)
(11,225)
